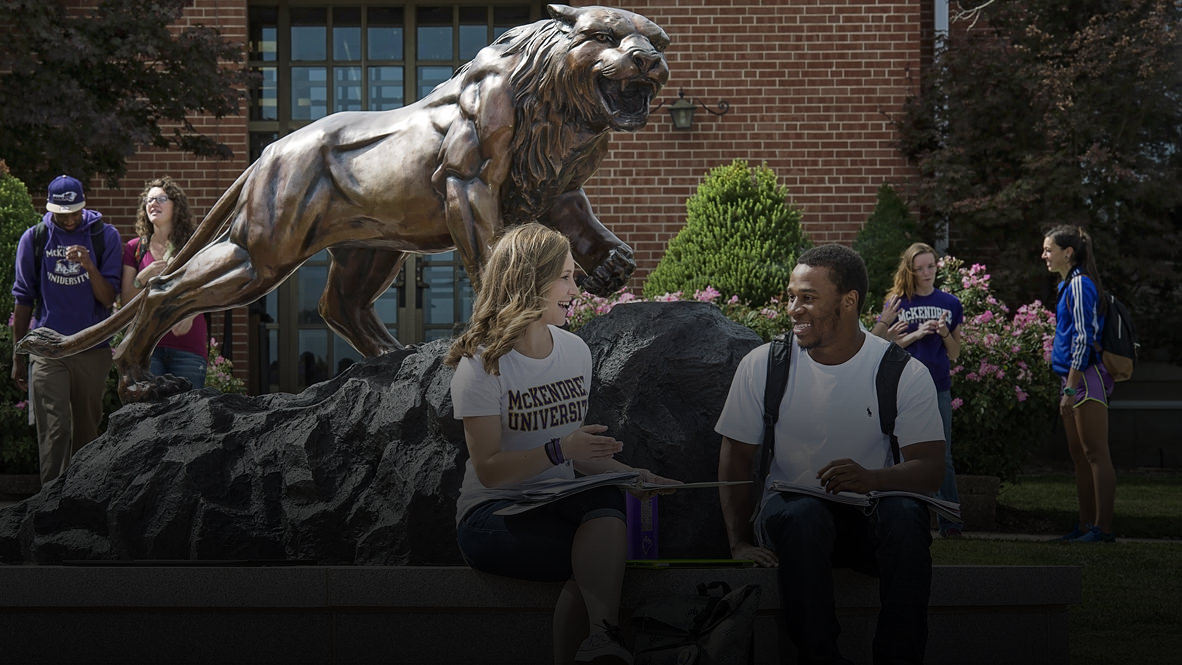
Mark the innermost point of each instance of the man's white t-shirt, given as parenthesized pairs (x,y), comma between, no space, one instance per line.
(538,399)
(829,412)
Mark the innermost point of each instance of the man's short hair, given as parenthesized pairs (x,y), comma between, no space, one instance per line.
(846,267)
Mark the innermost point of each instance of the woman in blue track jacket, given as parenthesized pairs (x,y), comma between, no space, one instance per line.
(1086,384)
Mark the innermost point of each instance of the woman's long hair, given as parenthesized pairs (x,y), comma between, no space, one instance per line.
(905,278)
(182,217)
(1069,235)
(523,265)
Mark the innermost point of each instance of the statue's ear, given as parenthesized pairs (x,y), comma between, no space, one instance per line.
(564,13)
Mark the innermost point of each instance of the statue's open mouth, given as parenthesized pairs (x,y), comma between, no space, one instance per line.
(627,100)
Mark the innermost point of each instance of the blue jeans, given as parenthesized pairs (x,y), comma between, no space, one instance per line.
(179,363)
(948,487)
(534,545)
(811,536)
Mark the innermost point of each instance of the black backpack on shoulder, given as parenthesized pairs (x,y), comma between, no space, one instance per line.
(1118,341)
(886,382)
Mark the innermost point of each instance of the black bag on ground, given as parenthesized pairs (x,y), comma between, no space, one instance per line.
(715,627)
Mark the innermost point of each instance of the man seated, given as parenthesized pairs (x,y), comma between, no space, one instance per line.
(828,433)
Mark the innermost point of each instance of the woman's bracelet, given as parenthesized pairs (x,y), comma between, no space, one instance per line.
(554,451)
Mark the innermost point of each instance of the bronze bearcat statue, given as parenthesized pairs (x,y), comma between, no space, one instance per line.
(510,138)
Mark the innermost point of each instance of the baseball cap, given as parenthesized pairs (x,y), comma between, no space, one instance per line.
(65,195)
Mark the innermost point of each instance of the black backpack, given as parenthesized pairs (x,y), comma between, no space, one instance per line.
(886,382)
(41,236)
(1118,341)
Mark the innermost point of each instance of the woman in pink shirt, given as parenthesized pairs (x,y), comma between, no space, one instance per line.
(163,225)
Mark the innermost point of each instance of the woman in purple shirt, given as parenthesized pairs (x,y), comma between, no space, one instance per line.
(926,321)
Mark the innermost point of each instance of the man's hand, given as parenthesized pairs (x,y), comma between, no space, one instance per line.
(20,372)
(80,255)
(846,475)
(763,557)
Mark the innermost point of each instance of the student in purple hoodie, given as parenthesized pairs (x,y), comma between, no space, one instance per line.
(64,285)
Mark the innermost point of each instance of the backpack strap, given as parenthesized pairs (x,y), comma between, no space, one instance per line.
(40,237)
(886,382)
(779,358)
(98,242)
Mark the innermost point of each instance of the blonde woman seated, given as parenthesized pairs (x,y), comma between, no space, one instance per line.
(520,387)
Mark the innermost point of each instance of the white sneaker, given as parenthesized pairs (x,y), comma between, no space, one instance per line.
(603,649)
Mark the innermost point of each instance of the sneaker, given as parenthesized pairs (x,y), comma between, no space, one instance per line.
(604,648)
(1095,535)
(1076,533)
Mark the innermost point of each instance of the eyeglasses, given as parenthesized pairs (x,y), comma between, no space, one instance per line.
(159,198)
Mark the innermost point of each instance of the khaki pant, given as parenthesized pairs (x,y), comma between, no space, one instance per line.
(67,405)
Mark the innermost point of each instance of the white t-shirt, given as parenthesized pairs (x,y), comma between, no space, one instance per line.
(829,411)
(538,399)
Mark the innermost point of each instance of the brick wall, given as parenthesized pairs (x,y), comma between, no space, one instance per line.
(203,180)
(812,85)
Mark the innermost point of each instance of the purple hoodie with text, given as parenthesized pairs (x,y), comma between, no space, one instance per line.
(67,301)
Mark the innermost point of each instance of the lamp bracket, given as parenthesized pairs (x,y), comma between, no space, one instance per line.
(723,106)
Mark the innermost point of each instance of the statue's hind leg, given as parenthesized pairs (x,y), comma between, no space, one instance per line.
(357,277)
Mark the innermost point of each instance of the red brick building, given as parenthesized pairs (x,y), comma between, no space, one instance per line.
(812,87)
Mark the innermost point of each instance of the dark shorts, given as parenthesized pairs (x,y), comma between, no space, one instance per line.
(1097,385)
(534,545)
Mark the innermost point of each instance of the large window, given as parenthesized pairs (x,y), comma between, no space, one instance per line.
(317,59)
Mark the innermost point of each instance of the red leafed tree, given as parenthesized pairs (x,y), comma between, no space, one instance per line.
(84,87)
(1045,112)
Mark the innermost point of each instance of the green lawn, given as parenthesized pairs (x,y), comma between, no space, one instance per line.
(1148,504)
(1131,611)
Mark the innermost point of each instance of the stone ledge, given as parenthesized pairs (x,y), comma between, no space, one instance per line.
(322,614)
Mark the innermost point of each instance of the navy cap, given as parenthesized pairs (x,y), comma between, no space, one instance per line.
(65,195)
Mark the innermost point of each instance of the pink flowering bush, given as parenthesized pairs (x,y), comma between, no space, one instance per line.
(1004,392)
(219,372)
(767,320)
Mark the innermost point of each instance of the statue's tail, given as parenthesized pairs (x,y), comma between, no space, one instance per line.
(49,343)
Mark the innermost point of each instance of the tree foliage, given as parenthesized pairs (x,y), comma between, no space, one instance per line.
(741,237)
(890,230)
(83,89)
(1049,112)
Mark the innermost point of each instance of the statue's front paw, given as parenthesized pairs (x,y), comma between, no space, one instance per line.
(611,275)
(149,388)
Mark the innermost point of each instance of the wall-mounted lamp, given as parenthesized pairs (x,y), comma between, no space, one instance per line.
(682,111)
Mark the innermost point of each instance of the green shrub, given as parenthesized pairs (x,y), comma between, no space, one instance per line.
(890,230)
(741,236)
(18,452)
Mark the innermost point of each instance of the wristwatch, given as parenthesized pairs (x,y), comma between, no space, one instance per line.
(1069,391)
